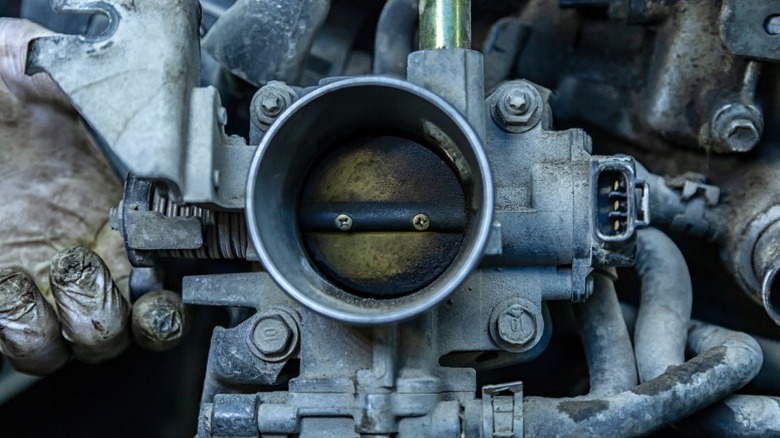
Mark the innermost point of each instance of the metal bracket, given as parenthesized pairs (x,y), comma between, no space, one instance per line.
(135,86)
(743,28)
(502,410)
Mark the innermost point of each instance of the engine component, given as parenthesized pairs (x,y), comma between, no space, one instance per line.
(411,232)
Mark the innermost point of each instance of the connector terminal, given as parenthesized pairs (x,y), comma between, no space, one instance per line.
(620,201)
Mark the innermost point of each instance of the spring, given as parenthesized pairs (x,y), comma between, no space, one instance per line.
(224,232)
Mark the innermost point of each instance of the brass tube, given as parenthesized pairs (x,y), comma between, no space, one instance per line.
(445,24)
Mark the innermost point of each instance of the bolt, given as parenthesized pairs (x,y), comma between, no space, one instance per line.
(742,135)
(516,102)
(737,128)
(421,222)
(516,325)
(271,335)
(772,25)
(343,222)
(516,106)
(271,104)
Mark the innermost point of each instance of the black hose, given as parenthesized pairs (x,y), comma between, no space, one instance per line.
(395,37)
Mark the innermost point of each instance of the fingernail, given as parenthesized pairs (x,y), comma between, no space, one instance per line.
(29,330)
(160,320)
(94,315)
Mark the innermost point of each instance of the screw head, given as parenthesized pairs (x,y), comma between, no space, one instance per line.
(271,335)
(516,325)
(742,135)
(343,222)
(421,222)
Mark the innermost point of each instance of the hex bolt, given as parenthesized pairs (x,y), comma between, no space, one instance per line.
(343,222)
(272,335)
(737,128)
(772,25)
(517,106)
(515,326)
(421,222)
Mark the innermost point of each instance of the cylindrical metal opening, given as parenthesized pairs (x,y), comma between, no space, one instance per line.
(340,123)
(771,294)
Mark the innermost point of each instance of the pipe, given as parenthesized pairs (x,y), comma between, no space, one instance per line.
(660,333)
(665,306)
(395,37)
(737,416)
(445,24)
(607,344)
(725,361)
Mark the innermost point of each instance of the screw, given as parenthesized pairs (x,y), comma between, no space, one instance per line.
(271,335)
(421,222)
(516,326)
(343,222)
(772,25)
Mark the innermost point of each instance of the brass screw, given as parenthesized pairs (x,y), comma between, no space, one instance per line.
(421,222)
(343,222)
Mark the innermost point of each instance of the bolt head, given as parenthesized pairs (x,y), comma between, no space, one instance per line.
(343,222)
(737,128)
(516,325)
(742,135)
(272,335)
(421,222)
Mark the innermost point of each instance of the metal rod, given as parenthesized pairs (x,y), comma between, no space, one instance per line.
(445,24)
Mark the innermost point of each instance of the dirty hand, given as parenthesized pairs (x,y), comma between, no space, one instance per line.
(57,252)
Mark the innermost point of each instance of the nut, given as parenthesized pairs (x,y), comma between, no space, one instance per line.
(272,335)
(269,102)
(517,106)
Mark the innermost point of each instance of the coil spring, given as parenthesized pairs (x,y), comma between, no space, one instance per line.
(224,233)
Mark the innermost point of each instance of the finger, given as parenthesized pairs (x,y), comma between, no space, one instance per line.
(15,36)
(94,315)
(160,320)
(29,330)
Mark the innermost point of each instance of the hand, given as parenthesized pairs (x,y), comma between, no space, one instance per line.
(57,251)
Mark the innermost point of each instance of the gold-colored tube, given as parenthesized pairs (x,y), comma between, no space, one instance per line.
(445,24)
